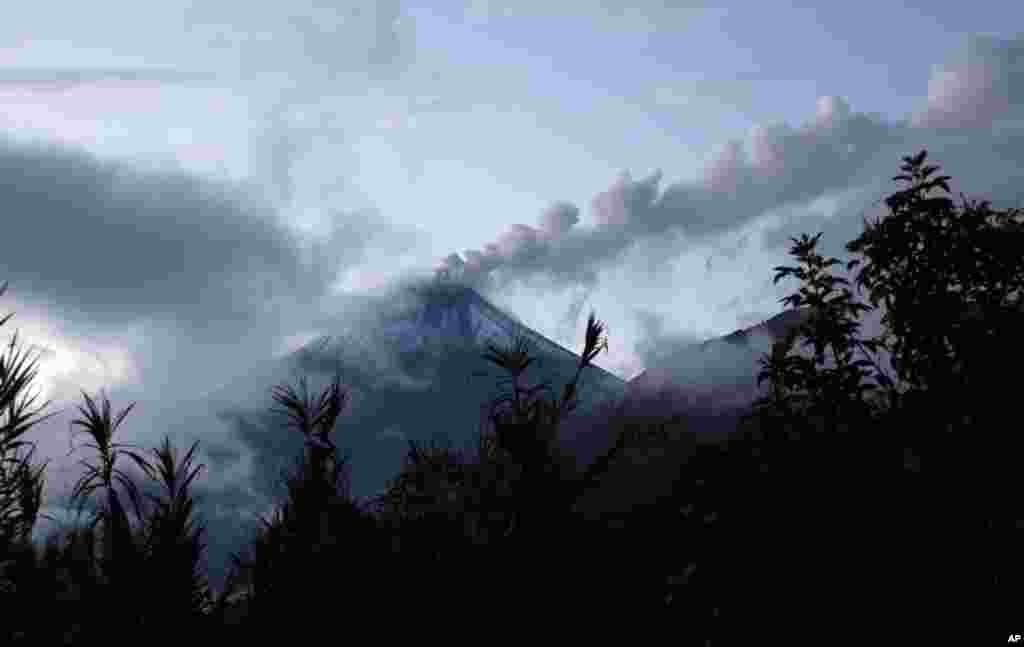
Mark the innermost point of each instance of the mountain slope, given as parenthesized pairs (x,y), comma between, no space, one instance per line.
(412,363)
(432,319)
(705,387)
(716,365)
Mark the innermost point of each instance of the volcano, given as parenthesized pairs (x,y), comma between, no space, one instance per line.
(412,363)
(432,337)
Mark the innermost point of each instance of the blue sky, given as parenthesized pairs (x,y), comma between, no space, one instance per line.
(218,177)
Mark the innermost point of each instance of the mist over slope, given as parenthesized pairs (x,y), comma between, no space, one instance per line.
(699,390)
(412,363)
(719,373)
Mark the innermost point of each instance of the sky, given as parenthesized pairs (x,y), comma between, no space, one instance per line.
(189,191)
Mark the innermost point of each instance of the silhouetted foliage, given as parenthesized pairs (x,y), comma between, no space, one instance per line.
(780,522)
(801,477)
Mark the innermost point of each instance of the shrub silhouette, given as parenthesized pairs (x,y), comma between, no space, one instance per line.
(318,528)
(81,570)
(950,282)
(174,543)
(792,502)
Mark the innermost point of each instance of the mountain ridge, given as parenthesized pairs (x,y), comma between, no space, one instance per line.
(479,321)
(412,365)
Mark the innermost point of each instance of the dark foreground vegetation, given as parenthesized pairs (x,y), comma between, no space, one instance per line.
(799,517)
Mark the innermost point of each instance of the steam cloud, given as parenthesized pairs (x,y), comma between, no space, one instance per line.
(837,150)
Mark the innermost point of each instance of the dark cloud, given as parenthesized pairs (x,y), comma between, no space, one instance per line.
(183,241)
(112,245)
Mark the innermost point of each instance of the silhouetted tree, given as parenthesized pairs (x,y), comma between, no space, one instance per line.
(950,281)
(317,529)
